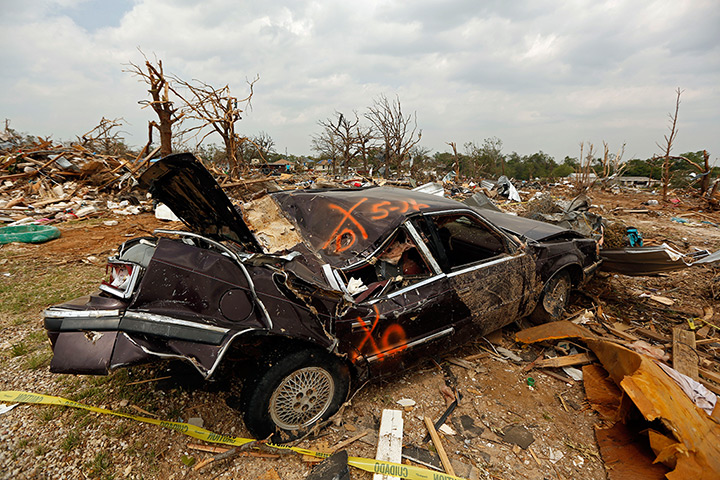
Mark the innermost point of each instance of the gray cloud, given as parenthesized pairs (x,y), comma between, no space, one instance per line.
(540,75)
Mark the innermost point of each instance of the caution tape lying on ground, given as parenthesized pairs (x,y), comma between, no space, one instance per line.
(367,464)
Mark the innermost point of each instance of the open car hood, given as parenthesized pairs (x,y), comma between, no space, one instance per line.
(182,183)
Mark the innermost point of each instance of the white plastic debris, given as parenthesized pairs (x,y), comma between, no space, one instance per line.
(355,286)
(573,373)
(6,408)
(696,391)
(23,221)
(85,211)
(431,188)
(447,429)
(587,316)
(406,402)
(555,455)
(163,212)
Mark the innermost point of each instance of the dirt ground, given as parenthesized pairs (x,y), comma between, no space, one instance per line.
(499,395)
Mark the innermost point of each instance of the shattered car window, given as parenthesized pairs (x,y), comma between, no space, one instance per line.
(398,265)
(466,241)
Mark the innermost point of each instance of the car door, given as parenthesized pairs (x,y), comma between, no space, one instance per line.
(490,275)
(404,314)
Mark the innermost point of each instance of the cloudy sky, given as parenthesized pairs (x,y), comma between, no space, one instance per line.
(538,74)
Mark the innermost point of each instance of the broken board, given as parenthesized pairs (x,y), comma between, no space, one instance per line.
(389,446)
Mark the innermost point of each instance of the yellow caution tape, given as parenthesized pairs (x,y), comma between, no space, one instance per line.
(367,464)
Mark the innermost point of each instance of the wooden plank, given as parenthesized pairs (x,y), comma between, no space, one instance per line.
(710,375)
(556,376)
(566,361)
(349,441)
(439,447)
(389,448)
(621,334)
(653,335)
(685,358)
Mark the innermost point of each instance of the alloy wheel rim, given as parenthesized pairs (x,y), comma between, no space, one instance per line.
(302,398)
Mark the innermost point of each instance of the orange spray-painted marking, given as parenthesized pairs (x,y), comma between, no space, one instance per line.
(347,215)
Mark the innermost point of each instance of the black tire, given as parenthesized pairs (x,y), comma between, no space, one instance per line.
(290,395)
(554,299)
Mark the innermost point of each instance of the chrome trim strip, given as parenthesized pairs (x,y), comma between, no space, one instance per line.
(427,281)
(423,248)
(340,281)
(205,373)
(154,318)
(66,313)
(483,265)
(330,277)
(219,245)
(235,256)
(417,342)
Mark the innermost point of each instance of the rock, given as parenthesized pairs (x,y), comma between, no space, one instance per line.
(518,435)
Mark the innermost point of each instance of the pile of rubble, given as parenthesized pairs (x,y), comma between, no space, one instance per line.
(46,183)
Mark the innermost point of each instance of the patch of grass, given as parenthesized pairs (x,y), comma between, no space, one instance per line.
(79,414)
(19,349)
(41,450)
(99,466)
(38,360)
(86,421)
(33,287)
(87,393)
(71,441)
(37,337)
(118,431)
(49,414)
(24,442)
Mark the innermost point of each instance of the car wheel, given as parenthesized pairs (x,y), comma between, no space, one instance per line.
(554,299)
(294,393)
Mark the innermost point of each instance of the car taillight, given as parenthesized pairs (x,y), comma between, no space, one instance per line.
(120,278)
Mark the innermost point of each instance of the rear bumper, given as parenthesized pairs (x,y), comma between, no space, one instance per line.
(95,341)
(60,320)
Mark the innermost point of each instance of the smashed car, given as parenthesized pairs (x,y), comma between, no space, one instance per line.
(318,290)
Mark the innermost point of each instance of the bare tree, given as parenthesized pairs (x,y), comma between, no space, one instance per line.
(704,171)
(365,136)
(487,157)
(327,145)
(159,91)
(397,132)
(457,160)
(216,111)
(491,148)
(667,147)
(348,134)
(261,145)
(611,163)
(584,173)
(103,138)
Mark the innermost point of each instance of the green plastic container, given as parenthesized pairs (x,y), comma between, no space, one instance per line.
(28,234)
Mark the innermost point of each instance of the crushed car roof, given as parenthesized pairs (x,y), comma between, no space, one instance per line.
(346,225)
